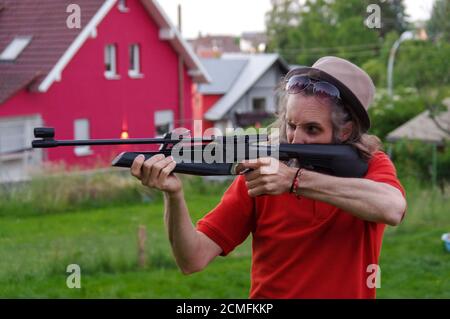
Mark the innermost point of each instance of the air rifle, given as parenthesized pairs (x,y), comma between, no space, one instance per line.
(220,155)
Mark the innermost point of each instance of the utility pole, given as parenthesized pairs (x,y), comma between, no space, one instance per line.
(181,113)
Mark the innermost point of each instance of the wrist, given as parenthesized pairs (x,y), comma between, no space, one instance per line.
(295,188)
(174,195)
(290,178)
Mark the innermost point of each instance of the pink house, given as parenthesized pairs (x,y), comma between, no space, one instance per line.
(94,69)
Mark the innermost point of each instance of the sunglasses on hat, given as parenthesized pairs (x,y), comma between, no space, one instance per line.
(303,83)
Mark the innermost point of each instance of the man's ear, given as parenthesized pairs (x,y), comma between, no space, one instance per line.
(346,131)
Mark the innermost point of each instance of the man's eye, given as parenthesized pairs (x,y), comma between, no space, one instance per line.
(313,130)
(291,126)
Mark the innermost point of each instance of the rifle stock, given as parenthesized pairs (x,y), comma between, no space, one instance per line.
(337,160)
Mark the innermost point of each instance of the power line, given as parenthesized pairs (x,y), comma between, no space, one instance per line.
(346,47)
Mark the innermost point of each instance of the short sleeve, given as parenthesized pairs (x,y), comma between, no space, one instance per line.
(232,220)
(381,169)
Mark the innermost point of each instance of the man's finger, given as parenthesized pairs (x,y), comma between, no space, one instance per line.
(137,165)
(252,175)
(257,191)
(166,171)
(148,167)
(158,166)
(255,182)
(255,163)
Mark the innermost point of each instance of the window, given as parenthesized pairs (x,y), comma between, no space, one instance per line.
(81,127)
(13,50)
(16,157)
(111,62)
(259,105)
(163,122)
(12,137)
(135,61)
(123,6)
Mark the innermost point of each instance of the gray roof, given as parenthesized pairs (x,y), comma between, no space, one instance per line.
(423,128)
(255,67)
(223,74)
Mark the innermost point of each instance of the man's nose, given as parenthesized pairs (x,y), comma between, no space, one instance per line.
(299,137)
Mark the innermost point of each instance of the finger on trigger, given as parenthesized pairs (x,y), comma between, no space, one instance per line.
(255,163)
(252,175)
(136,165)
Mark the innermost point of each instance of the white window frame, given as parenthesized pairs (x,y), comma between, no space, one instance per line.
(122,6)
(134,70)
(15,48)
(111,58)
(82,132)
(163,117)
(259,100)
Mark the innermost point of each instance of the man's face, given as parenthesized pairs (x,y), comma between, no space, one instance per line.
(308,120)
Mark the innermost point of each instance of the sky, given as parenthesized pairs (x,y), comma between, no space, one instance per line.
(232,17)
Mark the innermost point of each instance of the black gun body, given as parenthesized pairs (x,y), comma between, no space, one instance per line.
(336,160)
(220,155)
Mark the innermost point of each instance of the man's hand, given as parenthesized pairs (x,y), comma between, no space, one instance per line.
(268,177)
(156,173)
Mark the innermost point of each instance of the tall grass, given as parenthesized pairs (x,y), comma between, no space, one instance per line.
(76,190)
(67,192)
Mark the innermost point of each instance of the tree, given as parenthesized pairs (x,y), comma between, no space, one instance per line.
(303,33)
(281,22)
(438,26)
(393,17)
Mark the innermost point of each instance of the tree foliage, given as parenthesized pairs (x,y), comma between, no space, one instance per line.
(304,31)
(438,26)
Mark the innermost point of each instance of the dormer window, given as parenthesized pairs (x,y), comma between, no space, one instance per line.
(122,6)
(15,48)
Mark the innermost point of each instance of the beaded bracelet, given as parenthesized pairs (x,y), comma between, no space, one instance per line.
(295,182)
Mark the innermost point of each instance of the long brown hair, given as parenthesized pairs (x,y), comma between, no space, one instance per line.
(366,144)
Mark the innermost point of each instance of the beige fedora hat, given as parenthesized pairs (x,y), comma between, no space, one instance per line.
(355,85)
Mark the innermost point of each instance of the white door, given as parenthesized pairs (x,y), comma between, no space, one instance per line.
(16,158)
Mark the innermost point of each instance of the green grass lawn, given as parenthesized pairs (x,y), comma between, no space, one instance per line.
(36,249)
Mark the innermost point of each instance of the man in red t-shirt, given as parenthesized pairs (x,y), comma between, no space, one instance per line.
(314,235)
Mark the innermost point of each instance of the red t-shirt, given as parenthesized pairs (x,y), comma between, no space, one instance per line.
(302,248)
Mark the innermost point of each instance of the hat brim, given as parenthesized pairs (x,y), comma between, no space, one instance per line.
(346,94)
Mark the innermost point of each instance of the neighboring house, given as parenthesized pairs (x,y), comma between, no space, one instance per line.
(423,128)
(435,132)
(253,42)
(118,75)
(213,46)
(242,90)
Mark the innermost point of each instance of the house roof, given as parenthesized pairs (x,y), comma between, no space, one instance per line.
(214,45)
(423,128)
(223,72)
(256,66)
(53,45)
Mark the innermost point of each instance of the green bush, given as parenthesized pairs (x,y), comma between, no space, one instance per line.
(413,160)
(388,113)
